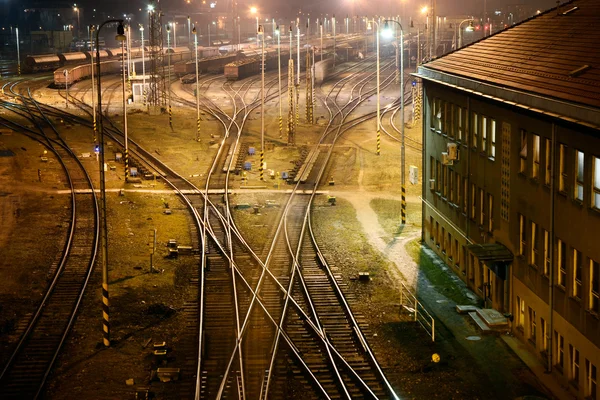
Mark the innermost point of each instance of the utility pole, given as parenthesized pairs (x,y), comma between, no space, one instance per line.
(290,124)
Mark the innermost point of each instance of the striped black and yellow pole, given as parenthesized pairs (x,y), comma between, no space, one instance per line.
(95,129)
(262,163)
(403,208)
(170,117)
(198,129)
(126,164)
(105,315)
(378,142)
(290,122)
(280,126)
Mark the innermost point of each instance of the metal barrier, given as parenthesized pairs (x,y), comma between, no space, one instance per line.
(409,302)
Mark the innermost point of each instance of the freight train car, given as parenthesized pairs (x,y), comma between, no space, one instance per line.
(71,74)
(242,69)
(43,62)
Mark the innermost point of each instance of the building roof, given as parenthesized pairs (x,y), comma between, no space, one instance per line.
(553,55)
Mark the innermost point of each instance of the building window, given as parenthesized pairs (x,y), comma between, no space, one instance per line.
(546,252)
(522,238)
(594,286)
(459,120)
(451,185)
(465,194)
(520,313)
(450,247)
(590,377)
(436,116)
(432,177)
(457,189)
(577,267)
(490,213)
(475,130)
(562,179)
(559,354)
(444,117)
(451,114)
(535,172)
(534,249)
(532,325)
(492,153)
(548,161)
(473,200)
(544,334)
(574,373)
(505,173)
(481,207)
(456,254)
(445,180)
(562,263)
(523,152)
(484,136)
(437,234)
(443,240)
(596,183)
(431,232)
(579,176)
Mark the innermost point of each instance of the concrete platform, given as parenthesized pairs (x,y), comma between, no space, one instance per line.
(480,322)
(493,318)
(465,309)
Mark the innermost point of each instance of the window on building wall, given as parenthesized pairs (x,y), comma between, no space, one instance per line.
(437,234)
(522,237)
(457,192)
(520,313)
(450,248)
(431,231)
(451,120)
(547,161)
(594,287)
(475,130)
(490,215)
(451,185)
(574,370)
(443,240)
(465,195)
(577,267)
(596,183)
(438,183)
(591,391)
(523,152)
(562,263)
(456,254)
(562,179)
(473,201)
(445,117)
(480,280)
(432,176)
(546,253)
(534,248)
(544,334)
(459,124)
(579,175)
(436,115)
(532,325)
(559,354)
(484,133)
(492,152)
(535,172)
(481,207)
(445,180)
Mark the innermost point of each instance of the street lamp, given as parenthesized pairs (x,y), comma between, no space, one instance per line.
(92,30)
(75,8)
(278,33)
(18,52)
(254,10)
(469,28)
(402,149)
(169,74)
(333,23)
(197,87)
(189,32)
(126,155)
(104,234)
(143,66)
(321,29)
(262,104)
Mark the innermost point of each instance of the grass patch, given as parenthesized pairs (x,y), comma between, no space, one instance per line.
(389,215)
(437,276)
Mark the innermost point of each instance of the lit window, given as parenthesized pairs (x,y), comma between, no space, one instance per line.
(475,130)
(544,334)
(594,286)
(535,172)
(523,152)
(459,133)
(579,176)
(546,252)
(481,209)
(561,165)
(562,263)
(493,139)
(548,161)
(532,325)
(520,313)
(559,355)
(431,231)
(483,133)
(574,377)
(522,242)
(596,183)
(534,250)
(465,195)
(577,267)
(490,213)
(590,377)
(473,200)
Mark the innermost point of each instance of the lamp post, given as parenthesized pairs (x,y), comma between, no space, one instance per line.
(169,75)
(104,233)
(402,148)
(126,155)
(278,33)
(76,9)
(470,20)
(143,66)
(197,87)
(262,104)
(378,152)
(92,30)
(333,23)
(254,10)
(189,32)
(298,47)
(174,33)
(321,29)
(66,74)
(18,52)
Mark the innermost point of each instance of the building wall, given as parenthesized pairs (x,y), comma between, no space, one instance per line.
(513,173)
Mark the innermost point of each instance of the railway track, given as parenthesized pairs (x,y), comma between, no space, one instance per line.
(28,367)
